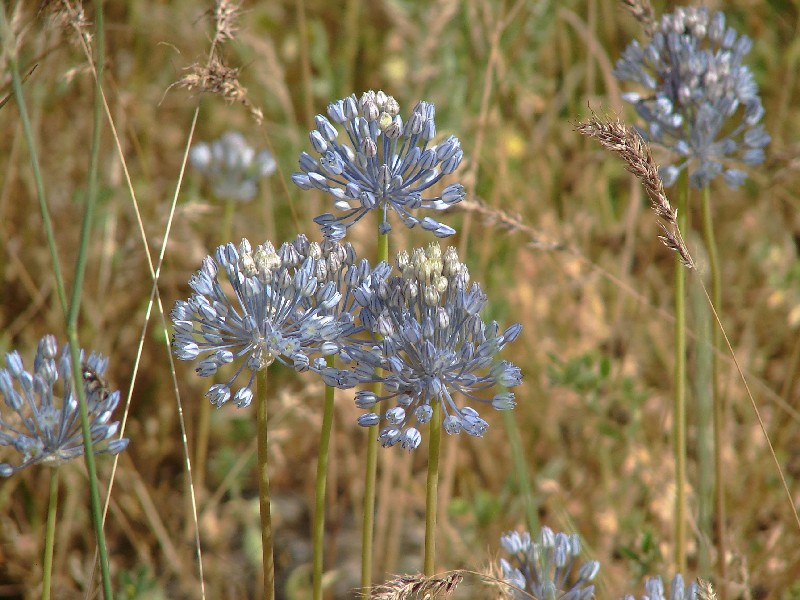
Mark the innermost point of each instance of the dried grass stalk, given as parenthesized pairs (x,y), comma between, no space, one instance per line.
(643,12)
(510,222)
(705,591)
(418,587)
(221,80)
(226,13)
(626,143)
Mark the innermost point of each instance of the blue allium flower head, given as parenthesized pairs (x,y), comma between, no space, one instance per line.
(654,590)
(431,343)
(544,568)
(44,427)
(387,164)
(273,307)
(231,166)
(699,100)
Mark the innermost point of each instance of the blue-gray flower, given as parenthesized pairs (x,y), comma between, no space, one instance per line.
(387,164)
(274,307)
(231,166)
(432,346)
(699,100)
(544,568)
(654,590)
(45,426)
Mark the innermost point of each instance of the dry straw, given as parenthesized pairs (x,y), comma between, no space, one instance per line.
(643,12)
(626,143)
(417,587)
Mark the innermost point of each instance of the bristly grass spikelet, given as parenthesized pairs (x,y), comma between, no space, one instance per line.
(46,427)
(626,143)
(386,166)
(411,587)
(432,345)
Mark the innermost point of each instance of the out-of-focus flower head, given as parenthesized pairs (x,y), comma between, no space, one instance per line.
(44,425)
(432,346)
(385,164)
(543,568)
(699,100)
(654,590)
(231,167)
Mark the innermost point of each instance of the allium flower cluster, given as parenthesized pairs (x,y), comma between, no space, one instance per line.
(431,344)
(544,568)
(231,166)
(45,425)
(387,164)
(694,83)
(654,590)
(277,305)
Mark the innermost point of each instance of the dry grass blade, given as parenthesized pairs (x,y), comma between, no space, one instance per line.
(221,80)
(623,141)
(705,591)
(509,222)
(417,587)
(643,12)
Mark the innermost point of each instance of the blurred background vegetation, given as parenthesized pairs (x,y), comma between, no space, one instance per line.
(510,79)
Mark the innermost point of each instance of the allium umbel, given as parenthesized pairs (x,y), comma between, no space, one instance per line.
(432,347)
(45,425)
(654,590)
(276,305)
(699,100)
(232,168)
(384,164)
(544,568)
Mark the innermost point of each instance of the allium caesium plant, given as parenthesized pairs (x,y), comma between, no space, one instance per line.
(432,345)
(654,590)
(544,568)
(387,164)
(44,426)
(274,307)
(694,85)
(232,168)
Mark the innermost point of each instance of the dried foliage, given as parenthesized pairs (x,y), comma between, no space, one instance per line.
(417,587)
(218,79)
(643,12)
(626,143)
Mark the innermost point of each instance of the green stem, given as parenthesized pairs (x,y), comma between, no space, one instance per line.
(521,469)
(319,492)
(263,488)
(368,524)
(50,535)
(679,412)
(716,341)
(432,489)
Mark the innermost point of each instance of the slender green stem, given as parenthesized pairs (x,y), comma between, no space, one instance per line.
(50,534)
(719,479)
(368,524)
(679,412)
(319,492)
(432,489)
(70,312)
(263,488)
(521,469)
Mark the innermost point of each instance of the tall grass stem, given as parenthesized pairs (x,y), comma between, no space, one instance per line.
(263,488)
(432,489)
(718,413)
(50,534)
(319,490)
(521,470)
(679,409)
(368,523)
